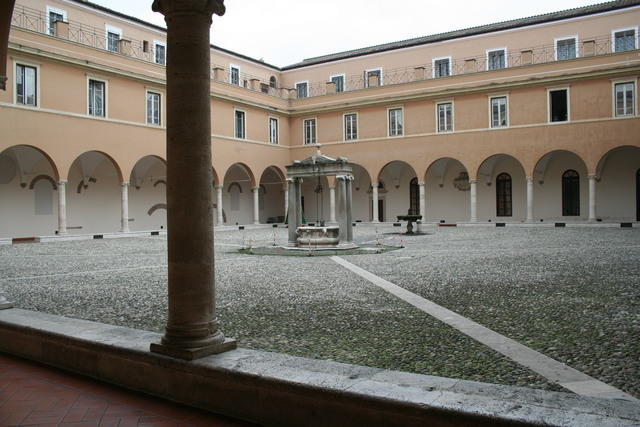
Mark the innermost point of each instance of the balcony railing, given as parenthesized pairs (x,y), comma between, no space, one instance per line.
(35,20)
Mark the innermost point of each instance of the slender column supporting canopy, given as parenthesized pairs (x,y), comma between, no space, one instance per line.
(192,328)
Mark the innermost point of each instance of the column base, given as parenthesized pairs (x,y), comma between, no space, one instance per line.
(4,304)
(194,353)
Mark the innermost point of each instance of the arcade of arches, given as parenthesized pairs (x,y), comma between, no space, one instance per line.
(96,194)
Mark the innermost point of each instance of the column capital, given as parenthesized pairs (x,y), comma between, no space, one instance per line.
(124,184)
(375,185)
(173,7)
(529,178)
(62,182)
(421,183)
(592,176)
(218,187)
(473,181)
(254,189)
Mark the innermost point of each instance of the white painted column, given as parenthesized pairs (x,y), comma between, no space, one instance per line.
(592,198)
(256,205)
(286,202)
(474,201)
(529,199)
(374,201)
(332,204)
(62,207)
(124,212)
(423,201)
(219,212)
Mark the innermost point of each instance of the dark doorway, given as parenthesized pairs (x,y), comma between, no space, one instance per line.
(414,195)
(503,195)
(380,210)
(570,193)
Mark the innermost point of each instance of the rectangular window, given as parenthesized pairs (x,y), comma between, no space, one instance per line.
(54,15)
(395,122)
(153,108)
(339,81)
(97,94)
(559,105)
(499,112)
(350,127)
(273,130)
(496,59)
(234,75)
(160,53)
(445,117)
(442,67)
(373,77)
(26,85)
(625,99)
(624,40)
(309,131)
(301,90)
(114,35)
(240,124)
(566,49)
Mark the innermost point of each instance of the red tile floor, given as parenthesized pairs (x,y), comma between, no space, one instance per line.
(32,394)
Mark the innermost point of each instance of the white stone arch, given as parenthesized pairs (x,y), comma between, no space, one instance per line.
(486,175)
(272,195)
(147,194)
(447,191)
(394,193)
(616,185)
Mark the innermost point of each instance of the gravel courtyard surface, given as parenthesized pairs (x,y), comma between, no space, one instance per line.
(572,294)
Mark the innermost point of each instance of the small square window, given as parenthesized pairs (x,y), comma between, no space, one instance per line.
(302,90)
(240,124)
(113,36)
(499,112)
(496,59)
(160,53)
(373,78)
(55,15)
(625,99)
(234,75)
(624,40)
(441,67)
(309,131)
(350,126)
(395,122)
(559,105)
(339,81)
(445,116)
(566,49)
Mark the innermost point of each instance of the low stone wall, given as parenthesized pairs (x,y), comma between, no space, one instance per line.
(275,389)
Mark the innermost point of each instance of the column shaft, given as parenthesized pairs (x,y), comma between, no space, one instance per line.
(124,205)
(529,199)
(219,211)
(286,202)
(332,205)
(62,207)
(473,200)
(374,202)
(349,207)
(423,201)
(342,208)
(256,205)
(592,198)
(292,218)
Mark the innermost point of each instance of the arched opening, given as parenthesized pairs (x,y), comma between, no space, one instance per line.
(237,195)
(272,208)
(570,193)
(549,192)
(28,178)
(94,194)
(447,191)
(361,196)
(147,189)
(503,195)
(395,198)
(273,82)
(414,197)
(616,189)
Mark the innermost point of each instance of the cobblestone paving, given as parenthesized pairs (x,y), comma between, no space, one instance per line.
(572,294)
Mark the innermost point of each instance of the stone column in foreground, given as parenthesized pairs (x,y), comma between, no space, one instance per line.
(192,328)
(62,207)
(474,201)
(374,202)
(256,205)
(529,199)
(295,209)
(592,198)
(332,205)
(124,214)
(219,205)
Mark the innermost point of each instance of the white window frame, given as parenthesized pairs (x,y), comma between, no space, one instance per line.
(366,76)
(304,133)
(157,43)
(453,115)
(277,135)
(613,97)
(231,68)
(115,30)
(497,49)
(552,89)
(395,107)
(106,95)
(307,91)
(344,81)
(559,39)
(619,30)
(35,65)
(161,106)
(491,98)
(244,124)
(433,66)
(59,12)
(344,126)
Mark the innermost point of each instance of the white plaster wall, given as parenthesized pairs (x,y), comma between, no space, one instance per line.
(97,208)
(311,200)
(616,191)
(143,198)
(273,202)
(395,200)
(244,214)
(447,202)
(17,205)
(360,197)
(547,197)
(486,194)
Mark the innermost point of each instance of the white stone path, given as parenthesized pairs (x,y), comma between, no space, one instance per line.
(549,368)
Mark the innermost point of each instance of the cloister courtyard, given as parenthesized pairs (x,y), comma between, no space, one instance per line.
(572,294)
